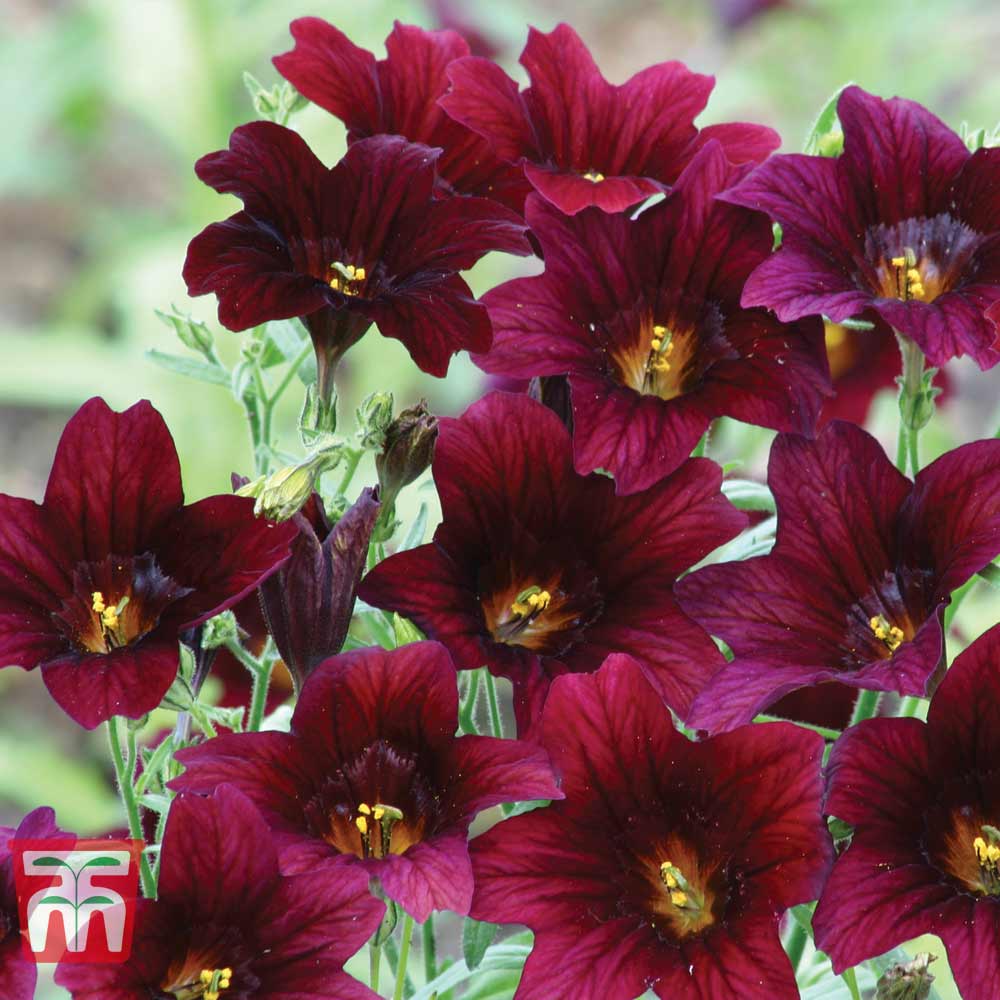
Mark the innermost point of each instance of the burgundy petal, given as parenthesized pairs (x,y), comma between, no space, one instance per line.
(952,517)
(373,695)
(433,875)
(115,480)
(898,157)
(128,681)
(204,867)
(218,547)
(18,976)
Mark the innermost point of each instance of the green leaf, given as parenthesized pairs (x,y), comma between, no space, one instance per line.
(101,862)
(57,899)
(745,494)
(190,332)
(415,536)
(94,900)
(477,936)
(202,371)
(286,337)
(820,138)
(52,863)
(500,957)
(404,631)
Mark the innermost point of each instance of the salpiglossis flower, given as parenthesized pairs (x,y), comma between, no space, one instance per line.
(367,241)
(644,316)
(226,922)
(399,95)
(905,224)
(99,580)
(924,800)
(537,571)
(856,585)
(668,863)
(18,975)
(372,777)
(583,141)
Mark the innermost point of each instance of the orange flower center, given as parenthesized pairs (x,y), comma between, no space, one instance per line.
(685,897)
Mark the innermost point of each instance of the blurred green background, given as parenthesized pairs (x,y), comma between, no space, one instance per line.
(108,103)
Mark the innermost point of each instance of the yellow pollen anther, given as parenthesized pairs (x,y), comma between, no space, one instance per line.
(530,602)
(362,824)
(346,276)
(379,813)
(98,599)
(891,635)
(213,982)
(594,176)
(898,262)
(681,894)
(365,808)
(109,618)
(678,898)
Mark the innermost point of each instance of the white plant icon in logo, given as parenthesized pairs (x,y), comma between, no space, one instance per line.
(75,898)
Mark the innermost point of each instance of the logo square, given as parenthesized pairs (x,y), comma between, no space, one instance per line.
(76,898)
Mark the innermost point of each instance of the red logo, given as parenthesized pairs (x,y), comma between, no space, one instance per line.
(76,898)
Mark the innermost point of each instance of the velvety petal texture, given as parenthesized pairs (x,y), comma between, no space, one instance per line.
(536,571)
(921,860)
(644,317)
(856,585)
(669,863)
(905,224)
(18,975)
(372,778)
(367,241)
(399,95)
(583,141)
(98,581)
(222,904)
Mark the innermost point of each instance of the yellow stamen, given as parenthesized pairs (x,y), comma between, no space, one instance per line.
(898,262)
(213,982)
(530,602)
(379,813)
(109,618)
(347,276)
(891,635)
(365,808)
(594,176)
(681,893)
(678,898)
(362,824)
(98,598)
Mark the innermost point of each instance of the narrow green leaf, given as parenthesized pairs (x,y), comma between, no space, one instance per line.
(745,494)
(95,900)
(57,899)
(52,863)
(101,862)
(477,936)
(202,371)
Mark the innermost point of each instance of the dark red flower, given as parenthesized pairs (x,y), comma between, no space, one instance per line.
(398,95)
(308,603)
(584,141)
(537,571)
(906,224)
(367,241)
(17,973)
(99,580)
(223,907)
(372,777)
(669,863)
(924,800)
(644,316)
(856,586)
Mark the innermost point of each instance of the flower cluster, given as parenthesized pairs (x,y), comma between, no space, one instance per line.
(591,552)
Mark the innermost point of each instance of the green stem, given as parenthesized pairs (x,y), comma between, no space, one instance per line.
(467,713)
(286,381)
(827,734)
(404,957)
(909,707)
(910,388)
(850,978)
(262,447)
(125,774)
(350,467)
(496,722)
(258,700)
(374,965)
(429,949)
(866,707)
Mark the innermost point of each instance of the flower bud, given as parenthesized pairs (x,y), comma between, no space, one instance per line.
(318,419)
(374,417)
(407,451)
(282,494)
(906,980)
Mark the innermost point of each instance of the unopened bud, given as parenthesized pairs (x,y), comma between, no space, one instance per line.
(906,980)
(318,419)
(917,410)
(374,417)
(407,451)
(283,493)
(830,143)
